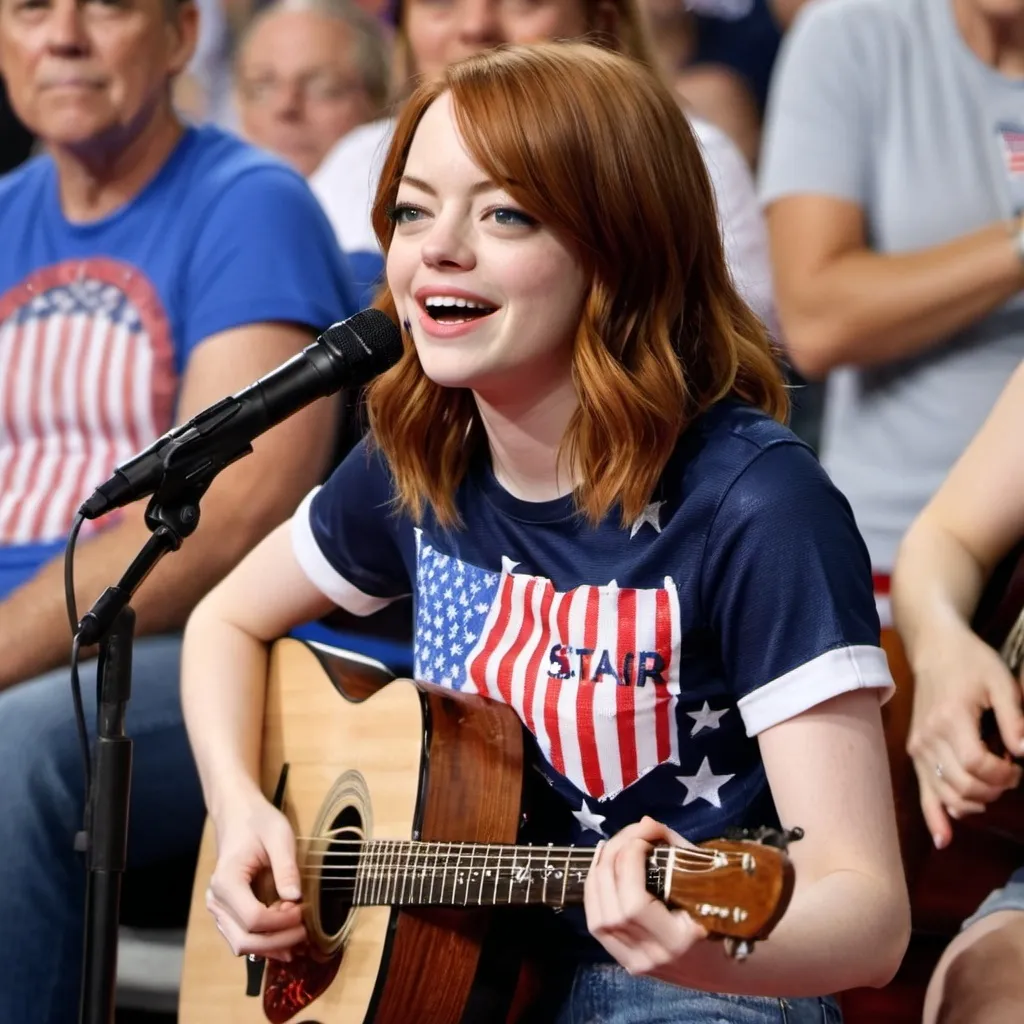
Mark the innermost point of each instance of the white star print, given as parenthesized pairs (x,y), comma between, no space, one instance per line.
(588,819)
(705,718)
(704,785)
(650,515)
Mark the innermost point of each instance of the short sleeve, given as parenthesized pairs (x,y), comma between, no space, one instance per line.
(818,121)
(786,582)
(266,253)
(344,535)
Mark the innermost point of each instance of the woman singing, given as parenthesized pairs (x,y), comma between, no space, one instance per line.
(578,470)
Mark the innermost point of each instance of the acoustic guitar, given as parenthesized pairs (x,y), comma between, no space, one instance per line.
(410,803)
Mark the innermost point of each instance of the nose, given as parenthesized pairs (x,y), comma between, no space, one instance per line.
(480,23)
(66,35)
(446,246)
(288,101)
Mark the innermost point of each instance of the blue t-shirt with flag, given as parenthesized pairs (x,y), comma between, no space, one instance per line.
(643,658)
(98,321)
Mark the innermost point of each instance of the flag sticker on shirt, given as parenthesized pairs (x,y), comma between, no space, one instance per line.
(592,672)
(1011,138)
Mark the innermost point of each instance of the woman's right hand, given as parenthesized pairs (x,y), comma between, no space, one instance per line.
(254,839)
(959,679)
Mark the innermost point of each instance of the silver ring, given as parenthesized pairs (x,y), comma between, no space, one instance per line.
(938,770)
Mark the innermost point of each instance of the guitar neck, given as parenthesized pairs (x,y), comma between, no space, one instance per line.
(404,873)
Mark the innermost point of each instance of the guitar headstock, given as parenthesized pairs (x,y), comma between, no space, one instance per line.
(737,888)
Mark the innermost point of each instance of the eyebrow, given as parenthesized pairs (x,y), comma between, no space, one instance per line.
(480,186)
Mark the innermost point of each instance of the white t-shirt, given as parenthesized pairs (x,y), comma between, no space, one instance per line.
(346,181)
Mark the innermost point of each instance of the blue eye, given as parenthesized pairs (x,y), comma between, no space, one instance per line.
(510,217)
(403,213)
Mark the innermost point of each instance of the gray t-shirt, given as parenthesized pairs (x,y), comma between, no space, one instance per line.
(881,102)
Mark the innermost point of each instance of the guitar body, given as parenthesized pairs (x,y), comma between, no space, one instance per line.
(399,761)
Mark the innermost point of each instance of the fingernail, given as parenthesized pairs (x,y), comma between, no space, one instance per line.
(938,841)
(953,814)
(291,893)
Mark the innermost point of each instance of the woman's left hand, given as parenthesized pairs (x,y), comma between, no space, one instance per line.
(633,926)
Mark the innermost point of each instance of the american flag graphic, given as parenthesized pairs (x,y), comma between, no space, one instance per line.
(592,672)
(1012,139)
(87,378)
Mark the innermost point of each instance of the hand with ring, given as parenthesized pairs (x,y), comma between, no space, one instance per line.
(957,773)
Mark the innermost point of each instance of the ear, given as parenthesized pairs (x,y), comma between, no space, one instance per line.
(183,24)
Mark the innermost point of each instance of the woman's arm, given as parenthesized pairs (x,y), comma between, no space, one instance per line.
(974,520)
(849,920)
(224,664)
(840,303)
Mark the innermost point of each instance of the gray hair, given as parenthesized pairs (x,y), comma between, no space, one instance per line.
(371,43)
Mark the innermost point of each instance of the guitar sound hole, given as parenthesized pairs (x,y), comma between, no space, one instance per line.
(338,869)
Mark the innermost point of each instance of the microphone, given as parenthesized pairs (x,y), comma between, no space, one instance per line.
(347,354)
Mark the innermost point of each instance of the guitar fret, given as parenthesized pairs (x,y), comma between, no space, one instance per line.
(409,853)
(464,874)
(424,869)
(389,871)
(483,874)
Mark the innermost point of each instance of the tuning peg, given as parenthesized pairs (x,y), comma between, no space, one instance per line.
(738,949)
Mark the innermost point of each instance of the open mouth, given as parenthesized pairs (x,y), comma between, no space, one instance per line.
(449,310)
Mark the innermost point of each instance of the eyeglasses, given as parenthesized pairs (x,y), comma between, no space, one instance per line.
(314,87)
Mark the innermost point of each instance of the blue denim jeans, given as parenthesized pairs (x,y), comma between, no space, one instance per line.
(607,994)
(42,879)
(1009,897)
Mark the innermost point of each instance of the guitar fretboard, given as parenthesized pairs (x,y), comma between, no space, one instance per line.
(404,873)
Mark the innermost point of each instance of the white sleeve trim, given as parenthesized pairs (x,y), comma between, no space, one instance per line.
(841,670)
(321,573)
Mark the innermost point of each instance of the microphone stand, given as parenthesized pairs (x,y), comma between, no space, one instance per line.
(172,515)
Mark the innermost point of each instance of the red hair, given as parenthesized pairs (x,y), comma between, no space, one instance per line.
(594,146)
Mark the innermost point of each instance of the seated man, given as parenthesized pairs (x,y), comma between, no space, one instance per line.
(147,270)
(309,71)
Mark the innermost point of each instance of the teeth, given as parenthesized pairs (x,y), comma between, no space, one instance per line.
(450,300)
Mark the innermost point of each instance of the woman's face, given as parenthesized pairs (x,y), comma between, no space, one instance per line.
(492,297)
(440,32)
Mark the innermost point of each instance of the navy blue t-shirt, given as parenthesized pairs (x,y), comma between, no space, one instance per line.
(644,659)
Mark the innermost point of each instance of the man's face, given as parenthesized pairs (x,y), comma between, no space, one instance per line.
(298,87)
(79,71)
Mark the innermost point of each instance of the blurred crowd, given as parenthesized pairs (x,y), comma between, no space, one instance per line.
(186,202)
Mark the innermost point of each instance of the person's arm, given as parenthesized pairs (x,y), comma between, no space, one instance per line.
(947,555)
(236,512)
(337,549)
(848,922)
(839,302)
(224,666)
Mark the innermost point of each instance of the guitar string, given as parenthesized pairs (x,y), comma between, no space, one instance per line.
(478,849)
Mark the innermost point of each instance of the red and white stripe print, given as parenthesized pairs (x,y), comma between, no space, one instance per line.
(592,672)
(83,386)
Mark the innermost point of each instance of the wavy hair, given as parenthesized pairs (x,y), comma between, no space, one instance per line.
(596,148)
